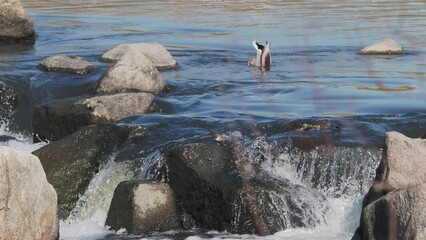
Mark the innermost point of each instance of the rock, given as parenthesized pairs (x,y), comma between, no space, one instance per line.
(71,163)
(114,107)
(28,203)
(134,72)
(402,166)
(198,175)
(8,102)
(384,47)
(397,215)
(266,207)
(59,118)
(156,52)
(397,191)
(15,26)
(218,190)
(70,64)
(143,207)
(406,160)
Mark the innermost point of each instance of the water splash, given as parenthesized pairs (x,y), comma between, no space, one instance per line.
(87,219)
(17,141)
(325,184)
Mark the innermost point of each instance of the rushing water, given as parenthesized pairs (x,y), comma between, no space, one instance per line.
(316,76)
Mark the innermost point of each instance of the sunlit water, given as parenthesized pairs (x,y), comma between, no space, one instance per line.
(316,74)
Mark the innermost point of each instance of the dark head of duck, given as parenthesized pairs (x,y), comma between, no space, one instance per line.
(263,56)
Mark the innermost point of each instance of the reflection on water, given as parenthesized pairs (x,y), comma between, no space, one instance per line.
(315,71)
(295,22)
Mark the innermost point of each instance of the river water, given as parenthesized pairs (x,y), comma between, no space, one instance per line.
(316,76)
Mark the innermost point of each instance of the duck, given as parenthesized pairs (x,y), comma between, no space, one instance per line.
(263,56)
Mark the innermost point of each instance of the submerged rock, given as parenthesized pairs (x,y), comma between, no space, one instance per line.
(15,26)
(156,52)
(71,163)
(134,72)
(8,102)
(70,64)
(143,207)
(59,118)
(28,203)
(397,192)
(384,47)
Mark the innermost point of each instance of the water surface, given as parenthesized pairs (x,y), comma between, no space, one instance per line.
(316,76)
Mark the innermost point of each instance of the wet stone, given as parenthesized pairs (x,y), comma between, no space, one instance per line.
(69,64)
(384,47)
(156,52)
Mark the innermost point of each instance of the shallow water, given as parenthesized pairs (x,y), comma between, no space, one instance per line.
(316,76)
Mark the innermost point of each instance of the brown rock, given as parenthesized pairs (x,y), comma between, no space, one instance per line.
(15,26)
(28,203)
(59,118)
(143,207)
(156,52)
(398,215)
(70,64)
(134,72)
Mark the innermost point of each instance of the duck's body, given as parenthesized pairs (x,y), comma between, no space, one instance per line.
(263,56)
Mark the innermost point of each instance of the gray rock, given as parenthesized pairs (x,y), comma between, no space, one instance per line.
(405,160)
(114,107)
(398,215)
(217,190)
(71,163)
(70,64)
(8,102)
(402,166)
(59,118)
(198,174)
(28,203)
(143,207)
(156,52)
(399,181)
(384,47)
(15,26)
(134,72)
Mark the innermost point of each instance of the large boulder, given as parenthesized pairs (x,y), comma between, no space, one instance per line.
(397,215)
(71,162)
(63,63)
(156,52)
(218,189)
(134,72)
(198,174)
(143,207)
(398,190)
(59,118)
(28,203)
(15,26)
(403,165)
(383,47)
(8,102)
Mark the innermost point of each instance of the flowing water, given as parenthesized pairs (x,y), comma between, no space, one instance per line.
(316,78)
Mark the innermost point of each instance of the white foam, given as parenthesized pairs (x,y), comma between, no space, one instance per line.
(87,229)
(19,141)
(87,219)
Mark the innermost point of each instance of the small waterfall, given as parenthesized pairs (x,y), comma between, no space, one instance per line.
(308,194)
(87,219)
(17,141)
(320,188)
